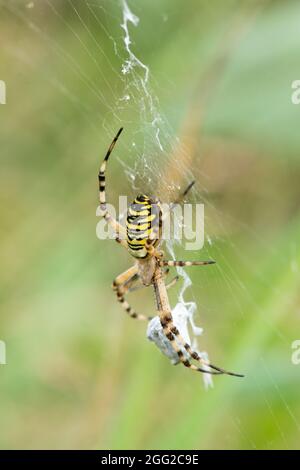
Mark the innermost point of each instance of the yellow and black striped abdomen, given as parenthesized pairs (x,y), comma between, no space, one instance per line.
(143,222)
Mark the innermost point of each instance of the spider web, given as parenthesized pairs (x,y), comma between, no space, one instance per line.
(156,138)
(154,143)
(136,107)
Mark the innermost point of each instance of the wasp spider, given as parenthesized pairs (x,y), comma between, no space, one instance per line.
(142,238)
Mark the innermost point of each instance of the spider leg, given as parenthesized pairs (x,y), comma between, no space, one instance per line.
(121,286)
(117,227)
(134,288)
(182,195)
(172,282)
(171,330)
(122,242)
(151,249)
(135,278)
(172,263)
(178,200)
(168,285)
(165,317)
(172,333)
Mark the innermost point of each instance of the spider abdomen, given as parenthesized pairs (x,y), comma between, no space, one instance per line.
(143,222)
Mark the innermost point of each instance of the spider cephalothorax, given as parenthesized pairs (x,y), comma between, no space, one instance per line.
(142,238)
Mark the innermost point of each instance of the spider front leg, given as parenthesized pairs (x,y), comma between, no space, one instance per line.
(118,229)
(121,286)
(172,333)
(165,320)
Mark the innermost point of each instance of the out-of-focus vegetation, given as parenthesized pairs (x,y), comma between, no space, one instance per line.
(80,374)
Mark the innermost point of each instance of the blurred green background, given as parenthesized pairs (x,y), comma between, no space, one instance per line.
(79,374)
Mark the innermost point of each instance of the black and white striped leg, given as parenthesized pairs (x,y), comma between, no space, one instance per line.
(164,319)
(174,263)
(171,331)
(119,230)
(121,286)
(177,201)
